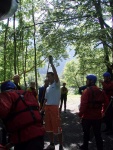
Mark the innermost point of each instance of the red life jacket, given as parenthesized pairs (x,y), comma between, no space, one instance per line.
(96,98)
(25,112)
(93,103)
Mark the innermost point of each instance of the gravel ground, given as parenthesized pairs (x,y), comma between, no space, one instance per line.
(72,131)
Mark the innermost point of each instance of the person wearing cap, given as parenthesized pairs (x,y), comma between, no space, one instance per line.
(107,85)
(21,116)
(16,80)
(92,106)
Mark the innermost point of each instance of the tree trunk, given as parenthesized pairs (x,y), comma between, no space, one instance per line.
(35,57)
(15,57)
(5,48)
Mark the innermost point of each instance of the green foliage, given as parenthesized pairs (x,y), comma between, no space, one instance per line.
(23,50)
(85,63)
(41,28)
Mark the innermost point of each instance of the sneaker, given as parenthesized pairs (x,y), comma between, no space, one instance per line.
(51,147)
(61,147)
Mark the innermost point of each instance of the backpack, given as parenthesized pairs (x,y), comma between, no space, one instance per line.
(97,98)
(24,112)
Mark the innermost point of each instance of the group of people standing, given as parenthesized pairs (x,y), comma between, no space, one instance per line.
(20,112)
(95,108)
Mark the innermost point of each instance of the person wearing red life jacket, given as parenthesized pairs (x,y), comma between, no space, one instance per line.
(107,85)
(19,110)
(92,107)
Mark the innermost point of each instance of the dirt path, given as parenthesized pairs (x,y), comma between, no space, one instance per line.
(72,131)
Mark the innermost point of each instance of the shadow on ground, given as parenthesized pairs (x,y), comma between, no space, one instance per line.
(72,134)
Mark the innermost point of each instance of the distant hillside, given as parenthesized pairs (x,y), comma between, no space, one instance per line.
(60,67)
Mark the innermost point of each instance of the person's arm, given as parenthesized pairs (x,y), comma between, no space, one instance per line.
(80,90)
(55,73)
(66,91)
(83,103)
(54,69)
(106,104)
(40,95)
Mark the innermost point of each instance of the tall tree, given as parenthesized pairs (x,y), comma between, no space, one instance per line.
(5,49)
(80,23)
(15,52)
(34,41)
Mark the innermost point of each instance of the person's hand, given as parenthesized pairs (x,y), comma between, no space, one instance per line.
(50,59)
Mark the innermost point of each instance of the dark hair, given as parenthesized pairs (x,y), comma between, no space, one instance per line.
(51,73)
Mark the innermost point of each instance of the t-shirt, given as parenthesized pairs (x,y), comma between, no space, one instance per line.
(52,94)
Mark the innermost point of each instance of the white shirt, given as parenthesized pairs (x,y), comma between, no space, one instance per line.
(52,94)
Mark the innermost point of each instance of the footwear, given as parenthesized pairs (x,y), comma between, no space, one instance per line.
(60,147)
(51,147)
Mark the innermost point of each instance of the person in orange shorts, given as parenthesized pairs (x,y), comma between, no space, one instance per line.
(52,116)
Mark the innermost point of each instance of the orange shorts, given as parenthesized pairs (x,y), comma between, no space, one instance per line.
(52,119)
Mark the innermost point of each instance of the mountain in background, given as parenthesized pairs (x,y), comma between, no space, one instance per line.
(61,64)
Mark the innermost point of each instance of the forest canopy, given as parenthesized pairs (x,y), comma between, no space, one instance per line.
(43,27)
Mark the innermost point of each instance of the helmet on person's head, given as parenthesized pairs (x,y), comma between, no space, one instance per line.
(7,86)
(106,74)
(91,77)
